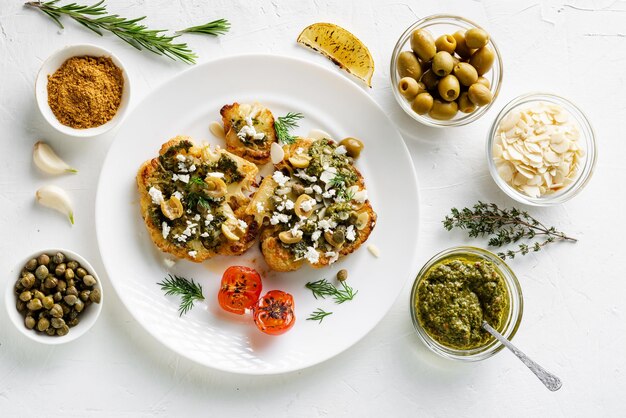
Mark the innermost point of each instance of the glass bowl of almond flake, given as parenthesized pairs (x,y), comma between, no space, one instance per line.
(541,149)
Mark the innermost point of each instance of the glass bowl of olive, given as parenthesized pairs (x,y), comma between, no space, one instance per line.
(455,292)
(445,71)
(53,296)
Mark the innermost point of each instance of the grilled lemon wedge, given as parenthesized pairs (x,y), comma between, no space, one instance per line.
(341,47)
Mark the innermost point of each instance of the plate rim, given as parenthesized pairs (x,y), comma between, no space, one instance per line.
(350,84)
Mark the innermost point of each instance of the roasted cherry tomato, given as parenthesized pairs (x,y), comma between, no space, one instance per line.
(274,314)
(240,289)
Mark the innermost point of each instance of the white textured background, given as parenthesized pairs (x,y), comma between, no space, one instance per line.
(574,320)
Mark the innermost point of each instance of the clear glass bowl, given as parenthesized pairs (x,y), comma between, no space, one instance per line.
(587,142)
(511,324)
(439,25)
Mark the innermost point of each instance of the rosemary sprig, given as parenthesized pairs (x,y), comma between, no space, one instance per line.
(215,28)
(318,315)
(322,288)
(188,290)
(96,18)
(283,124)
(504,227)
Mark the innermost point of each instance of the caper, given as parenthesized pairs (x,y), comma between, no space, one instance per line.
(50,282)
(43,259)
(38,295)
(353,146)
(408,65)
(61,285)
(476,38)
(57,296)
(339,236)
(30,322)
(449,88)
(72,265)
(42,272)
(71,290)
(25,296)
(89,280)
(479,94)
(342,275)
(73,322)
(443,110)
(60,269)
(58,258)
(446,43)
(31,264)
(430,80)
(482,80)
(73,314)
(443,63)
(66,309)
(70,299)
(81,272)
(28,280)
(20,305)
(297,189)
(482,60)
(43,324)
(51,331)
(95,296)
(84,295)
(57,322)
(79,305)
(461,49)
(69,274)
(56,311)
(422,103)
(48,302)
(423,44)
(34,304)
(71,282)
(465,104)
(466,73)
(63,330)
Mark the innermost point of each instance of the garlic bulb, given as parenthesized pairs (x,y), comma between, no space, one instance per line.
(48,161)
(56,198)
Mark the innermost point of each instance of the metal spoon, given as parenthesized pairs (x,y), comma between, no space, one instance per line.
(552,382)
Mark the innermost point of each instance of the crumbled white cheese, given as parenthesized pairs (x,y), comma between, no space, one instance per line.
(180,157)
(289,204)
(245,132)
(317,189)
(328,174)
(340,150)
(193,253)
(182,177)
(360,196)
(182,168)
(316,235)
(260,207)
(308,190)
(178,195)
(350,233)
(192,168)
(304,176)
(330,193)
(169,263)
(165,230)
(280,178)
(278,218)
(197,217)
(311,255)
(209,219)
(156,195)
(204,235)
(325,224)
(180,238)
(307,205)
(258,136)
(216,175)
(242,224)
(334,256)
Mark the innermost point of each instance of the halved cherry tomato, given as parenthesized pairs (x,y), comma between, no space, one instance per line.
(274,314)
(240,289)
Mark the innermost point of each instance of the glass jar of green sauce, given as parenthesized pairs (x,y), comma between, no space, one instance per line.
(454,292)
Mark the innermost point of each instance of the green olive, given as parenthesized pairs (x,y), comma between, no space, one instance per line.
(443,110)
(422,103)
(482,80)
(353,148)
(408,65)
(479,94)
(43,259)
(449,88)
(476,38)
(466,74)
(461,49)
(342,275)
(465,104)
(423,44)
(443,63)
(446,43)
(31,265)
(482,60)
(430,80)
(408,87)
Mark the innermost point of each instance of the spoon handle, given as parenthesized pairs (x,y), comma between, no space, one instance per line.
(550,381)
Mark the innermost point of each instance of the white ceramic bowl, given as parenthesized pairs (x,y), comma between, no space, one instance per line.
(52,64)
(87,318)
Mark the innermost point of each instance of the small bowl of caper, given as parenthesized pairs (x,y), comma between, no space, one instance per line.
(445,71)
(54,296)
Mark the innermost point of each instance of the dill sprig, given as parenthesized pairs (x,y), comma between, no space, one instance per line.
(96,18)
(323,288)
(188,290)
(215,28)
(504,227)
(283,124)
(318,315)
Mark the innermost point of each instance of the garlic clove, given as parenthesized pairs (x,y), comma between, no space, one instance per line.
(48,161)
(55,198)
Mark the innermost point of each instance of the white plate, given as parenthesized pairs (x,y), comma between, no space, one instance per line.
(186,105)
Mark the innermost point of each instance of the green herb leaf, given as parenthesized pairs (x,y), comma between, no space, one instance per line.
(215,28)
(283,124)
(323,288)
(318,315)
(188,290)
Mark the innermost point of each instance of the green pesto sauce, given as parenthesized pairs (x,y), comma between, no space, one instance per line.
(456,295)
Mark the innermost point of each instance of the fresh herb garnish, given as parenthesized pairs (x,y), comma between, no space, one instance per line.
(318,315)
(503,227)
(188,290)
(215,28)
(283,124)
(323,288)
(96,18)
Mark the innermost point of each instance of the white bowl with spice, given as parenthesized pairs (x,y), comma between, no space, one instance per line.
(82,90)
(541,149)
(67,304)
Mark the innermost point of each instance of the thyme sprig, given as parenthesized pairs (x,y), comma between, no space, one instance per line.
(215,28)
(504,227)
(318,315)
(323,288)
(283,124)
(188,290)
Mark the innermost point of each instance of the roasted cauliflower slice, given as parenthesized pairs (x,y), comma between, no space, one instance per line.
(249,130)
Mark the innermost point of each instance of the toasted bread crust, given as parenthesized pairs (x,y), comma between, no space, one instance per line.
(258,153)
